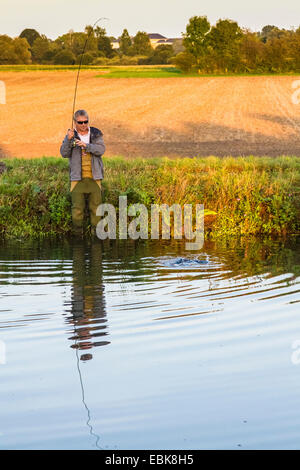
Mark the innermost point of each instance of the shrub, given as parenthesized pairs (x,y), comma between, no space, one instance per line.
(64,57)
(87,58)
(184,61)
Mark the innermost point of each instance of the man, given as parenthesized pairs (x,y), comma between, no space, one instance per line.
(84,147)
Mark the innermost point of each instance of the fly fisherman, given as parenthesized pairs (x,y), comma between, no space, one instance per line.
(84,147)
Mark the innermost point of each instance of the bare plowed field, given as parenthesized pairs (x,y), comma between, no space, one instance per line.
(152,117)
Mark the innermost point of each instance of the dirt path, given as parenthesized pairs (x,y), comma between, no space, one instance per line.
(161,116)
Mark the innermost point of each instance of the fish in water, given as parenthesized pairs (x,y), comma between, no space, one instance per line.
(186,262)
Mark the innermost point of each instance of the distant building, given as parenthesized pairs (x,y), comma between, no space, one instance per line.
(157,39)
(154,38)
(172,40)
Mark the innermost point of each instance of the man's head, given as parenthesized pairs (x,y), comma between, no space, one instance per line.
(81,120)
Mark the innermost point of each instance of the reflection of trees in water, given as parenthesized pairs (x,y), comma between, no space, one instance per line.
(87,304)
(254,256)
(246,256)
(137,259)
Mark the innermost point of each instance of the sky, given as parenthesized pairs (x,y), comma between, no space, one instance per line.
(167,17)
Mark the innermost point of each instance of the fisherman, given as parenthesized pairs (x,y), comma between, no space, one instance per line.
(84,147)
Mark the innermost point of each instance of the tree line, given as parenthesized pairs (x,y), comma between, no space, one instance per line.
(204,48)
(225,47)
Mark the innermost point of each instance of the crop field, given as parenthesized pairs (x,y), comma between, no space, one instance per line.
(175,116)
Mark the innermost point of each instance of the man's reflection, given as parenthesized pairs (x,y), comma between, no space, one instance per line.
(87,310)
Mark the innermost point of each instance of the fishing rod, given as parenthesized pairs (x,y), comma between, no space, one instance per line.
(76,344)
(80,63)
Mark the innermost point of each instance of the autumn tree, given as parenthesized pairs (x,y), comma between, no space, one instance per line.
(294,51)
(251,51)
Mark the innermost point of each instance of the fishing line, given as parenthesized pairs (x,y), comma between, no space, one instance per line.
(80,63)
(92,433)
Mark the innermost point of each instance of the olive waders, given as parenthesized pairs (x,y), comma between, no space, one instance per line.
(91,188)
(86,173)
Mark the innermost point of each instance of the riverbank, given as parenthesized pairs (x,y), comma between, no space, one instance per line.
(242,196)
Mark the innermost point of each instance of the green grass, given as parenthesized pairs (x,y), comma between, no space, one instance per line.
(138,71)
(249,195)
(131,71)
(47,68)
(142,72)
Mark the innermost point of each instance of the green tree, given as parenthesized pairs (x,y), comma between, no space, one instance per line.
(195,39)
(40,47)
(48,57)
(86,58)
(92,42)
(185,61)
(22,50)
(76,42)
(30,35)
(141,44)
(224,39)
(14,51)
(275,53)
(103,42)
(64,57)
(125,42)
(161,54)
(269,31)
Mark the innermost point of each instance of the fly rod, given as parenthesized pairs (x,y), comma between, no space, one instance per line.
(80,63)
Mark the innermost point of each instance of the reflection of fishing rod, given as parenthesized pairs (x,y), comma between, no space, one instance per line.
(81,58)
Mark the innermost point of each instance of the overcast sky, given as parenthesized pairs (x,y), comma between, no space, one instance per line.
(167,17)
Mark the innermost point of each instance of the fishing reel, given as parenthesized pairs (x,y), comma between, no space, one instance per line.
(73,142)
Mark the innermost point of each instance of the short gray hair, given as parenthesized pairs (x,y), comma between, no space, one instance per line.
(80,112)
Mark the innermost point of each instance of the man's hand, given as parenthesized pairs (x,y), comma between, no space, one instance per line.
(70,134)
(80,143)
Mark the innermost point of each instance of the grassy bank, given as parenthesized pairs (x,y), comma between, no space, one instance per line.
(250,195)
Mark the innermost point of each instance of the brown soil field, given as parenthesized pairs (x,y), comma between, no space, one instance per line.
(152,116)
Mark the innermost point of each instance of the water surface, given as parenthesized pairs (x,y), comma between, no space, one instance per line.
(111,345)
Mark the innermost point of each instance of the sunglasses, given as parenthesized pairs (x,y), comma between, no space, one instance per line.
(82,122)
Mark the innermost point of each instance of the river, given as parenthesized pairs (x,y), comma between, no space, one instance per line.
(113,345)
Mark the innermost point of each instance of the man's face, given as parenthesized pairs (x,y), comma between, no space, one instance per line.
(82,124)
